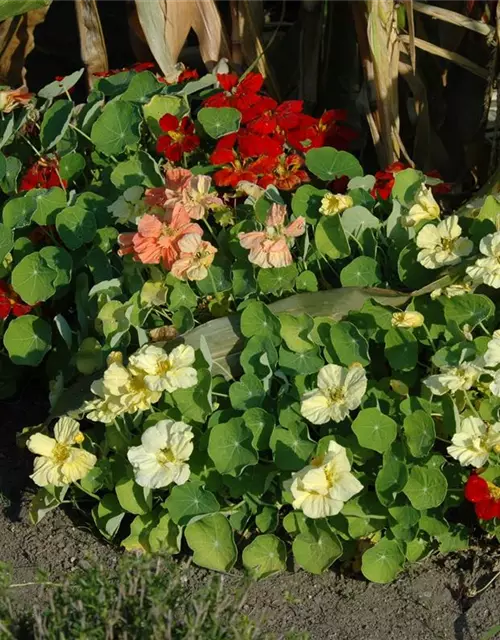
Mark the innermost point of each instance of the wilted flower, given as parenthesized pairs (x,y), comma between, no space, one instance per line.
(407,319)
(457,289)
(161,457)
(196,256)
(270,248)
(487,270)
(196,198)
(59,461)
(12,98)
(339,391)
(333,204)
(166,197)
(322,488)
(129,207)
(472,443)
(425,208)
(441,245)
(104,407)
(165,371)
(454,379)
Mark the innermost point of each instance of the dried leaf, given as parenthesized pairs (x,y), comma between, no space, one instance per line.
(92,44)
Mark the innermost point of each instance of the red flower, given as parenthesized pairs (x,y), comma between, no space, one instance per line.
(180,137)
(11,302)
(267,116)
(384,180)
(239,94)
(441,187)
(252,145)
(187,75)
(485,496)
(42,175)
(137,66)
(287,173)
(329,130)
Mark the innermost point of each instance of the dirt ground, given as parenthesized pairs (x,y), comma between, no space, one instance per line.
(430,602)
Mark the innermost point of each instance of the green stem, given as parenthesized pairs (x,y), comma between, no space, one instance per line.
(471,406)
(89,493)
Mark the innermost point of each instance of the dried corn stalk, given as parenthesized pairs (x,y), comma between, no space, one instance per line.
(16,43)
(166,24)
(92,44)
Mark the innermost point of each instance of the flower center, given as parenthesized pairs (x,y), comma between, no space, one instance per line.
(163,367)
(176,136)
(494,490)
(447,244)
(137,384)
(399,317)
(336,395)
(165,456)
(330,476)
(61,453)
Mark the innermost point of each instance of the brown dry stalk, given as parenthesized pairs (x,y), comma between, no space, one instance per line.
(92,44)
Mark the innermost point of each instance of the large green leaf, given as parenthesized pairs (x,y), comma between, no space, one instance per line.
(327,164)
(10,8)
(218,122)
(330,238)
(27,340)
(189,501)
(117,128)
(316,549)
(33,279)
(383,562)
(420,433)
(230,447)
(55,122)
(76,225)
(132,497)
(264,556)
(212,542)
(374,430)
(426,488)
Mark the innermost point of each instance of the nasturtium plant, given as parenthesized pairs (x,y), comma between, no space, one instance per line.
(242,359)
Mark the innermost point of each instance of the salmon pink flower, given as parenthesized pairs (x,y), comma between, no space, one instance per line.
(196,256)
(10,302)
(156,240)
(287,173)
(196,198)
(484,495)
(271,247)
(176,180)
(180,137)
(12,98)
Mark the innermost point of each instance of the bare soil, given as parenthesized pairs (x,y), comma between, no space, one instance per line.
(432,601)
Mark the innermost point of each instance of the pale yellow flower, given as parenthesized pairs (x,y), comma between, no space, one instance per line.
(441,244)
(161,457)
(472,443)
(425,208)
(339,391)
(453,379)
(105,407)
(60,462)
(487,270)
(333,204)
(322,488)
(165,371)
(457,289)
(129,385)
(492,355)
(407,319)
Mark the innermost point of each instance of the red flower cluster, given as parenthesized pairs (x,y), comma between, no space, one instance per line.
(385,181)
(42,175)
(180,137)
(485,496)
(138,66)
(11,302)
(263,150)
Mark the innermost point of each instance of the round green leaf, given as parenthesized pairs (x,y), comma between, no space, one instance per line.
(291,448)
(71,165)
(361,272)
(218,122)
(55,122)
(141,87)
(426,488)
(164,536)
(406,185)
(33,279)
(278,279)
(212,542)
(257,320)
(18,212)
(356,219)
(264,556)
(327,164)
(188,501)
(261,424)
(348,344)
(392,477)
(108,515)
(420,433)
(230,447)
(9,182)
(317,549)
(471,308)
(76,225)
(330,238)
(60,261)
(374,430)
(293,364)
(295,330)
(306,202)
(132,497)
(27,340)
(140,170)
(6,241)
(116,128)
(401,349)
(383,562)
(306,281)
(48,203)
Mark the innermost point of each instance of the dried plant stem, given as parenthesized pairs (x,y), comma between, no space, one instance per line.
(453,17)
(447,55)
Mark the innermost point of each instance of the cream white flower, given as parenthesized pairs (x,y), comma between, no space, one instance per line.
(425,208)
(130,387)
(161,457)
(494,386)
(105,407)
(441,244)
(339,391)
(472,443)
(454,379)
(487,270)
(322,488)
(166,371)
(407,319)
(333,204)
(59,461)
(249,189)
(492,354)
(129,207)
(457,289)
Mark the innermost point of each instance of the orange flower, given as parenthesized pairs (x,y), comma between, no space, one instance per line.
(270,248)
(195,258)
(287,173)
